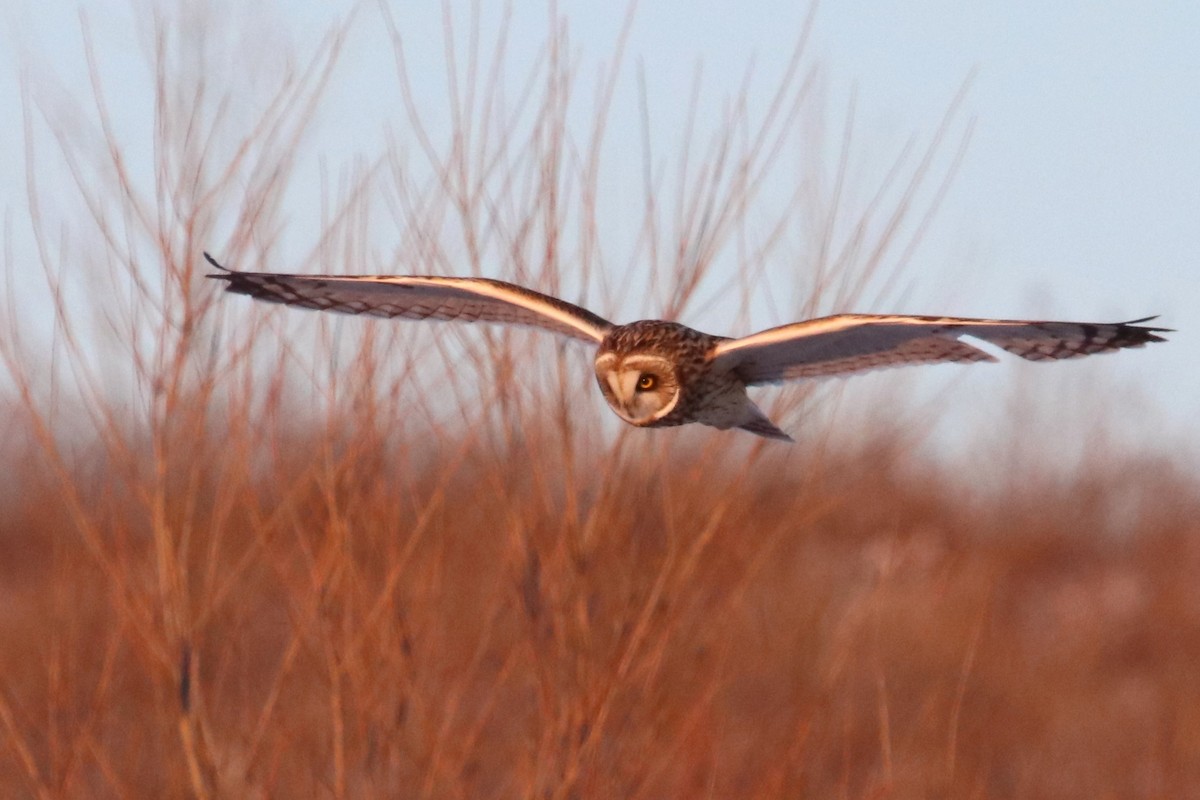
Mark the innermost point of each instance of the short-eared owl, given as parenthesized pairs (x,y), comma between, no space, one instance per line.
(655,373)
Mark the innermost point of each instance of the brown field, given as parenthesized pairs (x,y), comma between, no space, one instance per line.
(250,552)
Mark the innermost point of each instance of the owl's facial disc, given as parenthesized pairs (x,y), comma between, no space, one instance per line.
(641,388)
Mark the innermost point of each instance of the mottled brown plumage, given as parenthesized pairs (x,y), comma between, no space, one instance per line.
(655,373)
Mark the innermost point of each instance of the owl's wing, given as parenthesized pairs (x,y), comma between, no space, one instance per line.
(413,297)
(858,342)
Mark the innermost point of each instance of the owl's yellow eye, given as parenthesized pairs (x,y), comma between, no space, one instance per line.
(647,382)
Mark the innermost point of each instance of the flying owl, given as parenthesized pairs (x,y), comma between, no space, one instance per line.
(655,373)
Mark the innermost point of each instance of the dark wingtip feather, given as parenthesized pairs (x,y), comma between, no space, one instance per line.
(1134,334)
(225,274)
(1137,323)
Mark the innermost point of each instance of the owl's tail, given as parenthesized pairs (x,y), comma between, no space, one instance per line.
(759,424)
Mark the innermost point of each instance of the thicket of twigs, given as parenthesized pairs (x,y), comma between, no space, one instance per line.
(257,552)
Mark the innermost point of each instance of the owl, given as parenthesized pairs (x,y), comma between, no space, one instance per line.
(655,373)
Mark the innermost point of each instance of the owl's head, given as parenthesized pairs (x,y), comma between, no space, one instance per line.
(641,387)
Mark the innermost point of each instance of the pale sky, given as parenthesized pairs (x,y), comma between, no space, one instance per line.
(1079,196)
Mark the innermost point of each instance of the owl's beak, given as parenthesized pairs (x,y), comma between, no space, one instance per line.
(623,394)
(614,383)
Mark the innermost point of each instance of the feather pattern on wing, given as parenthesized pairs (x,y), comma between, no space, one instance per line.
(857,342)
(414,297)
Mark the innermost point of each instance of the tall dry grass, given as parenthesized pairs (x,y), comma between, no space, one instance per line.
(253,552)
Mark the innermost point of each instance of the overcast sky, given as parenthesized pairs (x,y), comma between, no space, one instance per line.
(1079,196)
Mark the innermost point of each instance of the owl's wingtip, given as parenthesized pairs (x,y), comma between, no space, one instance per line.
(1136,324)
(225,272)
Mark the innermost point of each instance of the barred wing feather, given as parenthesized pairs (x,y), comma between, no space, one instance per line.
(848,343)
(414,297)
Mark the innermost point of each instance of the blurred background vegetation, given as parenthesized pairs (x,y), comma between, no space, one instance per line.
(257,552)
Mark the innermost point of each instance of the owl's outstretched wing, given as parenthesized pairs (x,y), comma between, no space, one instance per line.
(857,342)
(413,297)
